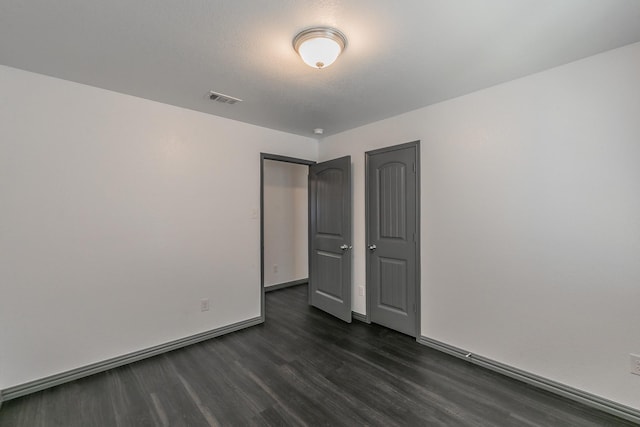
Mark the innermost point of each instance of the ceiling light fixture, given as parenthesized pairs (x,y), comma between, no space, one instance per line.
(319,47)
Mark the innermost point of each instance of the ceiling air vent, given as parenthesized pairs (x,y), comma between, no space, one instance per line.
(221,97)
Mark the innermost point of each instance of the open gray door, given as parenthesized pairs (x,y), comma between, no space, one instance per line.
(330,237)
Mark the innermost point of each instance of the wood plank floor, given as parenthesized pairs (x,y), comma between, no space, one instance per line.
(300,368)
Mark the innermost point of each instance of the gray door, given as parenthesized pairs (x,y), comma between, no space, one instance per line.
(392,233)
(330,237)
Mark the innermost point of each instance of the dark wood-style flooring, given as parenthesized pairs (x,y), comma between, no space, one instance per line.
(302,367)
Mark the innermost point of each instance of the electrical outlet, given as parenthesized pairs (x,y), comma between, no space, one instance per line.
(275,268)
(634,362)
(361,291)
(204,304)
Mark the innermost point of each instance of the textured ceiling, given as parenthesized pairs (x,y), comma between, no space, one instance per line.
(401,55)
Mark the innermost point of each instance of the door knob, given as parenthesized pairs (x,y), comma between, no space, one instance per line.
(345,247)
(372,247)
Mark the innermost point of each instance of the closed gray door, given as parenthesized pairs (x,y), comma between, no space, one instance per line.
(392,237)
(330,240)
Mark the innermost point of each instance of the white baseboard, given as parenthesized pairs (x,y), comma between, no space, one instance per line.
(285,285)
(94,368)
(588,399)
(360,317)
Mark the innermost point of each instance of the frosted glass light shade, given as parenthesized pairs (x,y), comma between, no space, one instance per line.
(319,53)
(319,47)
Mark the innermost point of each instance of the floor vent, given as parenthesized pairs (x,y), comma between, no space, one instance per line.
(221,97)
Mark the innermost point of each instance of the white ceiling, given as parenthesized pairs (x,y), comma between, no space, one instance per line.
(402,55)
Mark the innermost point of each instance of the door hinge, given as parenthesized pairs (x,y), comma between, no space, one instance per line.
(414,167)
(414,307)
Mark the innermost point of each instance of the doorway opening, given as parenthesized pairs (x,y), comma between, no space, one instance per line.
(284,223)
(328,233)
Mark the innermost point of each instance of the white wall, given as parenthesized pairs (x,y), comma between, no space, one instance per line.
(530,220)
(285,222)
(117,216)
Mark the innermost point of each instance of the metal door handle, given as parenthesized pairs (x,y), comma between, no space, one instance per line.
(345,247)
(372,247)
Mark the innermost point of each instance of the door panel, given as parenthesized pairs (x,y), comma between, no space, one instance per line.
(329,268)
(330,242)
(393,298)
(392,203)
(329,202)
(391,232)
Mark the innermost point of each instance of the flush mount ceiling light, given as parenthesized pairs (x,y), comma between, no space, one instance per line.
(319,47)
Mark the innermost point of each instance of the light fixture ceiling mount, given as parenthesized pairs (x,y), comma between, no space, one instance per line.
(319,47)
